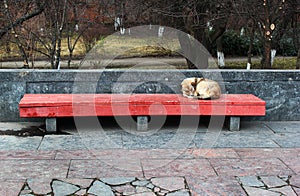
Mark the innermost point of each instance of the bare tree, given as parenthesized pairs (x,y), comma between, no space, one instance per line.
(13,20)
(205,20)
(49,34)
(36,7)
(14,32)
(271,16)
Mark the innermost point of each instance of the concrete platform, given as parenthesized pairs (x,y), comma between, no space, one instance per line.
(261,159)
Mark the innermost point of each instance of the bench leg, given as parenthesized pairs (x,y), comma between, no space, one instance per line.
(142,123)
(234,123)
(51,125)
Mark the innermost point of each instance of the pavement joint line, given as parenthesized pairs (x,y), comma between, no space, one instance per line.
(286,165)
(270,128)
(214,169)
(40,143)
(69,167)
(279,146)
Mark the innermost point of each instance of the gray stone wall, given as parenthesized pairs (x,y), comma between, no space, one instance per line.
(280,89)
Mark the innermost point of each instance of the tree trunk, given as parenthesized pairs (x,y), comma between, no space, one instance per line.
(199,49)
(52,50)
(220,54)
(266,60)
(249,53)
(186,48)
(298,60)
(70,58)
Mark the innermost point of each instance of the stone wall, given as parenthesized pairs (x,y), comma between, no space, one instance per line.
(280,89)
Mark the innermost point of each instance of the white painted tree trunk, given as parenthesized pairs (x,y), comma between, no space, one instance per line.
(248,66)
(221,59)
(122,31)
(273,54)
(161,31)
(117,23)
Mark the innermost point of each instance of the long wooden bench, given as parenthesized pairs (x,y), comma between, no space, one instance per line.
(53,106)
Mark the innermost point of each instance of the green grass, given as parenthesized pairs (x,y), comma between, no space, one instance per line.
(279,63)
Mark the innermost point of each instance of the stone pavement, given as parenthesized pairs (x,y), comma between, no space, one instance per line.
(261,159)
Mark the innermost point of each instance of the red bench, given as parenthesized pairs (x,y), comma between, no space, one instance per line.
(52,106)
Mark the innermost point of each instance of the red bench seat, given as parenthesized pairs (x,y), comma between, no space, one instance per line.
(51,106)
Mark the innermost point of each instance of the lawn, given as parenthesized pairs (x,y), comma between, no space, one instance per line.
(279,63)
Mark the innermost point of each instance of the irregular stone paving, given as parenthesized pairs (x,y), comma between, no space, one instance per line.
(118,186)
(270,185)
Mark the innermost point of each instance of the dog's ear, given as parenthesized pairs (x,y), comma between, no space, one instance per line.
(194,83)
(200,79)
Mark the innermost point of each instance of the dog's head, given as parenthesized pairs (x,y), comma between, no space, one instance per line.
(189,85)
(200,88)
(207,89)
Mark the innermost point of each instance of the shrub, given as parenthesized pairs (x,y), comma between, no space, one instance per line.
(236,45)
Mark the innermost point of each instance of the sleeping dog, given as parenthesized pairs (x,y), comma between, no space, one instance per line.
(200,88)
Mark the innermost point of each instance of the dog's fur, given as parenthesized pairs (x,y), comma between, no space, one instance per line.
(200,88)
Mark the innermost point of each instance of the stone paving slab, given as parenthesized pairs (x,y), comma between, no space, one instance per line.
(241,139)
(23,169)
(295,181)
(212,153)
(214,186)
(297,190)
(27,154)
(256,135)
(245,167)
(39,185)
(95,140)
(120,154)
(273,181)
(258,127)
(284,127)
(159,140)
(140,154)
(293,163)
(11,187)
(287,140)
(8,142)
(289,153)
(64,142)
(177,167)
(250,181)
(97,168)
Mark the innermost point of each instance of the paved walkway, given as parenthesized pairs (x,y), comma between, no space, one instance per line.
(261,159)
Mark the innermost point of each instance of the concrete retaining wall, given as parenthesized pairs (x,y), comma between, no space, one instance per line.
(280,89)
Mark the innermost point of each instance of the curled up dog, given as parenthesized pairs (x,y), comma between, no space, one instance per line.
(200,88)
